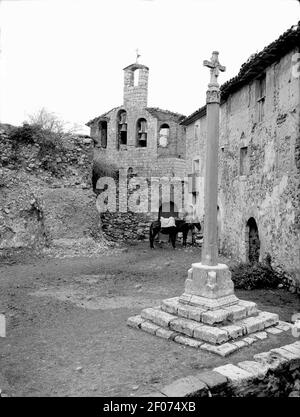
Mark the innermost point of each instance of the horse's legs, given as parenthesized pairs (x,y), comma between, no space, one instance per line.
(152,234)
(172,236)
(193,234)
(184,237)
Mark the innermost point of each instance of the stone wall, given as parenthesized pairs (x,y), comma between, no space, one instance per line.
(268,190)
(136,95)
(275,373)
(146,160)
(149,160)
(126,226)
(258,168)
(153,160)
(195,151)
(142,162)
(46,198)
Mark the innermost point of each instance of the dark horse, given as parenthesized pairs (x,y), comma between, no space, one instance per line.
(181,226)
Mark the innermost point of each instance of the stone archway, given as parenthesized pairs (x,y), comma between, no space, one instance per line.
(253,241)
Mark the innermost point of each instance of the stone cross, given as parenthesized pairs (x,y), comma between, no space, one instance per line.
(137,56)
(210,240)
(215,67)
(209,284)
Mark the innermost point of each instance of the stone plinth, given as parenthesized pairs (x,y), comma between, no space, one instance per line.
(209,287)
(208,315)
(221,331)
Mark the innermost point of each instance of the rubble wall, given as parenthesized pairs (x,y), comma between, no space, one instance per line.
(46,198)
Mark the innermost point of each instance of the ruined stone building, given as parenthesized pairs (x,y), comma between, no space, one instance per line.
(259,165)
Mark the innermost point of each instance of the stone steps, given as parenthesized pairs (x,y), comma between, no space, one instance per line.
(229,314)
(208,338)
(210,333)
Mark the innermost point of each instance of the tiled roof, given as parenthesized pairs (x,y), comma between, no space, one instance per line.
(288,41)
(194,116)
(155,111)
(101,117)
(251,69)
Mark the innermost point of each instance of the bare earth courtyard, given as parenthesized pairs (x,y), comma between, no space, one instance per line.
(67,332)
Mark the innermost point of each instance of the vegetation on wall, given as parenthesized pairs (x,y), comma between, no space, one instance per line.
(43,128)
(258,275)
(48,133)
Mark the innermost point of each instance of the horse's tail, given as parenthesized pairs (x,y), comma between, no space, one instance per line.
(151,235)
(151,228)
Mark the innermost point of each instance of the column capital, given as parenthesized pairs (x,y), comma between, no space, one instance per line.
(213,94)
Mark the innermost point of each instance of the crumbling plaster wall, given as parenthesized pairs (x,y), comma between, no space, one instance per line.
(269,191)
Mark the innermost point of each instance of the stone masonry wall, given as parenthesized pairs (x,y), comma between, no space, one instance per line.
(136,95)
(269,191)
(268,188)
(195,150)
(275,373)
(144,160)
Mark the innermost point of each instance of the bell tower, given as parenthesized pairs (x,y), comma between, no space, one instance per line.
(135,85)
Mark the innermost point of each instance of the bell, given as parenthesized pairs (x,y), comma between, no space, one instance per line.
(143,136)
(124,127)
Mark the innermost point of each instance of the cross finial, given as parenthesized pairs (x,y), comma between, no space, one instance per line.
(137,56)
(215,67)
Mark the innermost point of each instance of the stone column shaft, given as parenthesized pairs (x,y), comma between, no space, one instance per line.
(209,284)
(210,247)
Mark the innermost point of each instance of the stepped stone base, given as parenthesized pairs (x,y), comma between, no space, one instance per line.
(221,331)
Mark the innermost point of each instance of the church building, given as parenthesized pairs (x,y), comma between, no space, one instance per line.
(147,140)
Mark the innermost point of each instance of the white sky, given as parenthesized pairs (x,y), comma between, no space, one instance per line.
(68,55)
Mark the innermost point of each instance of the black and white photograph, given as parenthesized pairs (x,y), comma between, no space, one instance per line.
(149,203)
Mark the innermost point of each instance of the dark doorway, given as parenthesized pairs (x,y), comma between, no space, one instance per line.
(253,241)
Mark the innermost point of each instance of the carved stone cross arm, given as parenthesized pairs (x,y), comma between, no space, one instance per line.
(215,67)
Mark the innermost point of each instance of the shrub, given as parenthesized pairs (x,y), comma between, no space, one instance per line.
(254,276)
(50,144)
(26,134)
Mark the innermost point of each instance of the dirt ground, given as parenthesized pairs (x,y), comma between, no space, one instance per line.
(66,323)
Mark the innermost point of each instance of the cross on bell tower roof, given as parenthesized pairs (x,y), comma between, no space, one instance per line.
(215,67)
(137,56)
